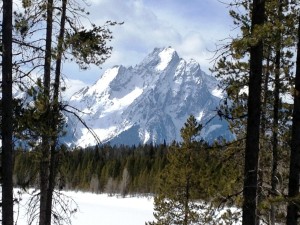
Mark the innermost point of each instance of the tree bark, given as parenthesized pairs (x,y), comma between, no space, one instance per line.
(275,158)
(7,116)
(275,123)
(186,201)
(253,121)
(293,209)
(45,160)
(55,115)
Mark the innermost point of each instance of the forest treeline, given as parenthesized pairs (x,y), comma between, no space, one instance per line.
(110,169)
(121,170)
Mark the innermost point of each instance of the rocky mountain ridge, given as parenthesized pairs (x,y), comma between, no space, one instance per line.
(148,103)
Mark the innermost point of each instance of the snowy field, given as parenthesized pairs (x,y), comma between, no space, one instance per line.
(101,209)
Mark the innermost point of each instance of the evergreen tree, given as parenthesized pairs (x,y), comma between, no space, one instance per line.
(278,34)
(86,47)
(175,202)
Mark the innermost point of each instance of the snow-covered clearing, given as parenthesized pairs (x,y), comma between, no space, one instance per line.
(97,209)
(101,209)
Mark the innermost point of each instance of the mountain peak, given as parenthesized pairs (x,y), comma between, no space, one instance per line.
(148,103)
(160,58)
(166,56)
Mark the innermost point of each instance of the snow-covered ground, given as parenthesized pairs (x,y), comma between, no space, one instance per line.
(101,209)
(95,209)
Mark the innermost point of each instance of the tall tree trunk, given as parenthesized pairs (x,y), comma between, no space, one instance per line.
(7,116)
(59,53)
(45,160)
(253,121)
(265,94)
(274,182)
(275,125)
(186,201)
(55,114)
(263,131)
(293,209)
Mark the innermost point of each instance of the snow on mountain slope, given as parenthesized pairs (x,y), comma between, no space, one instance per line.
(165,56)
(147,103)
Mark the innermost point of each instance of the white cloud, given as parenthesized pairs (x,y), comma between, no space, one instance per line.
(191,27)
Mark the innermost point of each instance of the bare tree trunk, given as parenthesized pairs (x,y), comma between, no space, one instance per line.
(55,114)
(293,208)
(275,128)
(45,160)
(263,132)
(274,182)
(265,94)
(186,201)
(253,121)
(7,116)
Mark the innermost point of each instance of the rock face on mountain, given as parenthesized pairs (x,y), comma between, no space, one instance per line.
(148,103)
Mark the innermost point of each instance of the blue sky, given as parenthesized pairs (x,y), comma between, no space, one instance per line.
(192,27)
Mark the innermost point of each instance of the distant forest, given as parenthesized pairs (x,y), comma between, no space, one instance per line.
(111,169)
(121,170)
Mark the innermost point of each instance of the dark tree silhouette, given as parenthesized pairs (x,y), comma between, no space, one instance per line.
(253,120)
(294,174)
(7,115)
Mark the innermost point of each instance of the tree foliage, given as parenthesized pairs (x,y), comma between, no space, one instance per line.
(233,68)
(191,182)
(44,36)
(115,170)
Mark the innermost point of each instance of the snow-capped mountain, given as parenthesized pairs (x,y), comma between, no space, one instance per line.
(148,103)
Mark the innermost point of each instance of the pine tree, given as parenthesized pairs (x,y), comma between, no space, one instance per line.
(85,46)
(175,203)
(278,34)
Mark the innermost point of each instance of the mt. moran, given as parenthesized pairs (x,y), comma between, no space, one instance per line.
(148,103)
